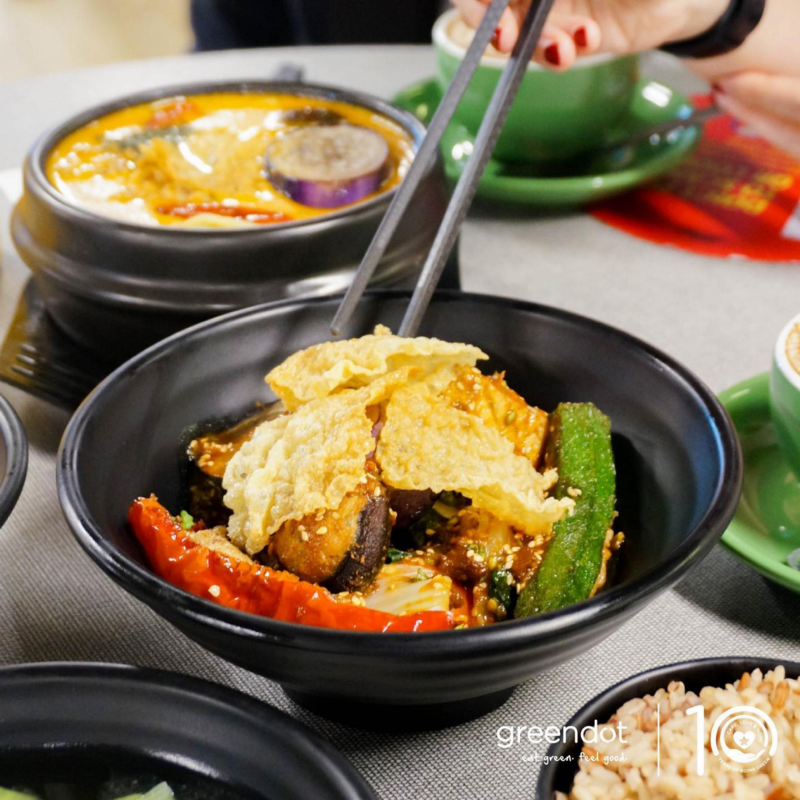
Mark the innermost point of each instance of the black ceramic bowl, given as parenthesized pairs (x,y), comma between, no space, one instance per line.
(679,471)
(117,287)
(558,774)
(62,721)
(13,458)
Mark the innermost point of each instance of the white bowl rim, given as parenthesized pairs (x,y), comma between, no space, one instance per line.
(442,40)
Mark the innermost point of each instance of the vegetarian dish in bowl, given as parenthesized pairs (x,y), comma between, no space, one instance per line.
(146,215)
(722,727)
(102,732)
(676,483)
(229,159)
(406,489)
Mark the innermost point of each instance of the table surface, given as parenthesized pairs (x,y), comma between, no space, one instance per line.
(719,317)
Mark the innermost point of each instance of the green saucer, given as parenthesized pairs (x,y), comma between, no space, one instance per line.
(766,527)
(595,177)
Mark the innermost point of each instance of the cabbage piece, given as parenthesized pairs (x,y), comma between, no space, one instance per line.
(409,589)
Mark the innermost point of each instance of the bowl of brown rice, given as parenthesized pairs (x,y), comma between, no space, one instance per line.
(714,728)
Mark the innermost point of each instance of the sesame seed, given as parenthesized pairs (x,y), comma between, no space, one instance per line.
(322,529)
(470,553)
(304,535)
(214,591)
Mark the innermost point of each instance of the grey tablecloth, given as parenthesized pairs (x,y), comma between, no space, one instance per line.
(719,317)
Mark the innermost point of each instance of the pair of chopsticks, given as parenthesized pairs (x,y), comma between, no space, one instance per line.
(467,185)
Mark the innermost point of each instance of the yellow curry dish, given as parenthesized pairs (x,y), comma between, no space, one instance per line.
(230,159)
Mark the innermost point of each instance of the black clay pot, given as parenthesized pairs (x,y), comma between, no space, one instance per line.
(557,775)
(69,722)
(679,476)
(13,458)
(117,287)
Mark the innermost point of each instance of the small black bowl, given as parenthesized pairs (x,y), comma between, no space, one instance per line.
(65,720)
(117,287)
(679,476)
(13,458)
(559,772)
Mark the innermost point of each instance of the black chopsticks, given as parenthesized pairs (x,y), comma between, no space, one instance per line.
(467,184)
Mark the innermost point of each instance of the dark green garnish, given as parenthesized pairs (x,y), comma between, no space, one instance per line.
(431,521)
(171,133)
(503,591)
(393,555)
(510,417)
(422,575)
(453,499)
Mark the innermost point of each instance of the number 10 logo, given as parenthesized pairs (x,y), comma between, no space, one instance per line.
(744,738)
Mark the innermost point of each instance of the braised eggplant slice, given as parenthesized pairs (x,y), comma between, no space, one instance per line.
(342,550)
(328,166)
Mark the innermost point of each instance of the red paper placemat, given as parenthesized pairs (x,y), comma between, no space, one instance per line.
(737,195)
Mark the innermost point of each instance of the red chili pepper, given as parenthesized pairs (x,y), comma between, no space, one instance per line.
(250,213)
(253,588)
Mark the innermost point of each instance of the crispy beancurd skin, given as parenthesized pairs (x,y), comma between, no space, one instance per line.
(302,462)
(458,452)
(326,368)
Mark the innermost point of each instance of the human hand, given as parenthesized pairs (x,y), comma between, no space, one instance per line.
(769,104)
(580,27)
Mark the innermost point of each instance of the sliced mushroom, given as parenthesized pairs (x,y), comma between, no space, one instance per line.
(342,550)
(410,505)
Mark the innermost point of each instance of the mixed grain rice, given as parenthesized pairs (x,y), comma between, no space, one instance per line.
(636,778)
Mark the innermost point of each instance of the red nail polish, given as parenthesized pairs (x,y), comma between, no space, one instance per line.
(580,37)
(552,55)
(496,38)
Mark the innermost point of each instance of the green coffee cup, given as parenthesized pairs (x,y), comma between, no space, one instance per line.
(556,115)
(784,391)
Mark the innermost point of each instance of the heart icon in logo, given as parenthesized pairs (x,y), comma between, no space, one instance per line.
(743,739)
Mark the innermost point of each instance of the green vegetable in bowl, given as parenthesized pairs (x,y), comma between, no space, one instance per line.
(160,792)
(503,591)
(11,794)
(579,446)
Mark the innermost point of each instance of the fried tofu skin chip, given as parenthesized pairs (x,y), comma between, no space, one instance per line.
(302,462)
(327,368)
(427,443)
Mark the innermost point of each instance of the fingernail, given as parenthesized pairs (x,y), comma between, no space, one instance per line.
(552,55)
(580,37)
(496,38)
